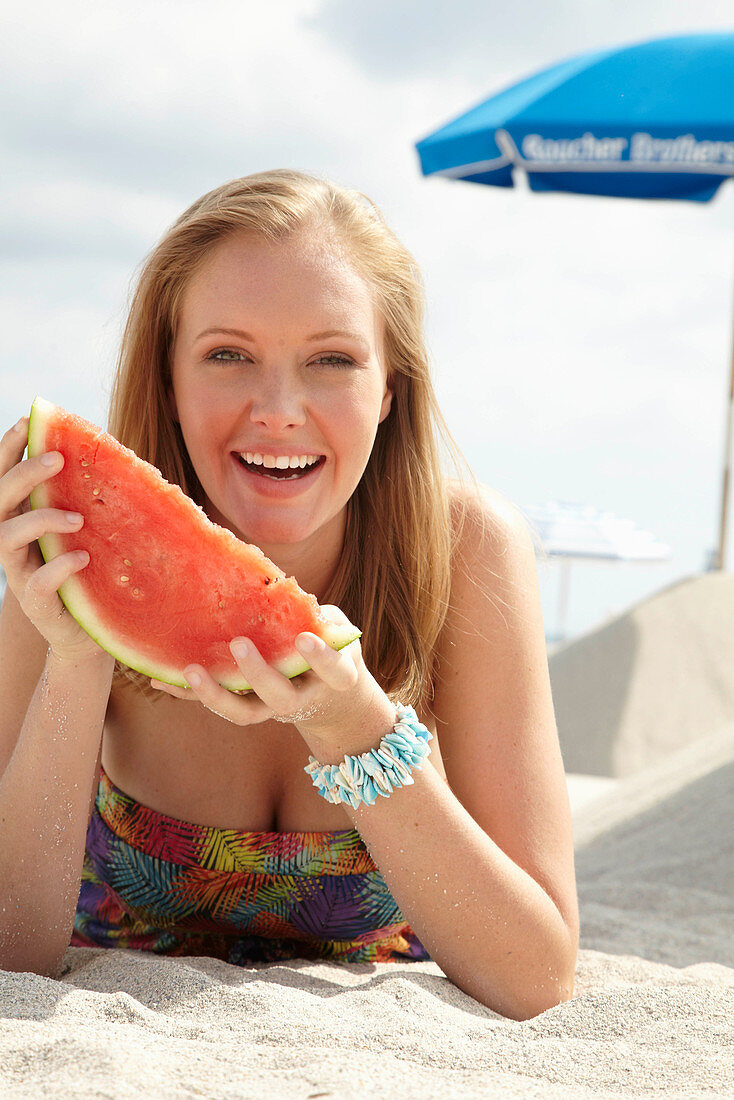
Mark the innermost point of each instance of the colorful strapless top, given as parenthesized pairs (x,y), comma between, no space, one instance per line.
(154,883)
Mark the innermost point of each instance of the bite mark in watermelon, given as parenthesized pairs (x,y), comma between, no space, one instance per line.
(165,587)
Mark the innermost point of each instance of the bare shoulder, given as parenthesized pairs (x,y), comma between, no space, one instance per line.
(492,696)
(489,519)
(495,548)
(494,617)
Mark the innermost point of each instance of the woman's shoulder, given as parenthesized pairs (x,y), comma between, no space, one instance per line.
(494,572)
(487,523)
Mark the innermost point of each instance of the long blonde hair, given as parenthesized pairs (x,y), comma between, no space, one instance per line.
(393,578)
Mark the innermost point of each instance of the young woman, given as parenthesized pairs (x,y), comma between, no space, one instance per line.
(273,364)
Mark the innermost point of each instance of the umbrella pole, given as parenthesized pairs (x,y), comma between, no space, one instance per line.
(563,580)
(727,461)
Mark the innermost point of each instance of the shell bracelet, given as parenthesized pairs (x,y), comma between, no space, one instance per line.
(361,778)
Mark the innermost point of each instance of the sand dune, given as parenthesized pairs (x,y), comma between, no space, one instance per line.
(655,860)
(650,681)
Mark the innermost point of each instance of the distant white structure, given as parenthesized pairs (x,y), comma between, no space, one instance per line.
(571,531)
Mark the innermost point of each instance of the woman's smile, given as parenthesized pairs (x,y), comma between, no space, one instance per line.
(272,477)
(279,385)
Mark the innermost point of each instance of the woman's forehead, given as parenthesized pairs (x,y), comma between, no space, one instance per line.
(301,272)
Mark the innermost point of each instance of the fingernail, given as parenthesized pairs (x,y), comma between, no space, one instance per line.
(50,459)
(306,645)
(20,426)
(194,679)
(241,648)
(73,517)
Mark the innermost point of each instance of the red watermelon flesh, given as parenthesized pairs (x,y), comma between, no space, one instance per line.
(165,587)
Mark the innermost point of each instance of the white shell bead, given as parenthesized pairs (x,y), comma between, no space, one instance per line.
(368,763)
(402,771)
(383,782)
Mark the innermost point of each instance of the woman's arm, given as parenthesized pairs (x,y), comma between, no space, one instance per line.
(483,869)
(45,786)
(54,688)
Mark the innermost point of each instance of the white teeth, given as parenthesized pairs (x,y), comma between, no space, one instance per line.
(280,462)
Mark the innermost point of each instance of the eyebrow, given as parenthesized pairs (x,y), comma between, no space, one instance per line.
(225,332)
(309,339)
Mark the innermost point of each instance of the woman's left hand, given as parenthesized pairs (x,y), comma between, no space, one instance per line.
(334,691)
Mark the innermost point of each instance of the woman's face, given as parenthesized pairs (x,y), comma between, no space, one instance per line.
(278,359)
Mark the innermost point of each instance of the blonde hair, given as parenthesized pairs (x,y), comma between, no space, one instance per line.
(393,577)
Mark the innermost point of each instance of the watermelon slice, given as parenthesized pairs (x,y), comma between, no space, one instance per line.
(165,587)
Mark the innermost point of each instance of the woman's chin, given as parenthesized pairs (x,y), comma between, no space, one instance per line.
(268,531)
(274,535)
(263,528)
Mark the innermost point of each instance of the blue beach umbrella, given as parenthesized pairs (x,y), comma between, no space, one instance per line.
(648,121)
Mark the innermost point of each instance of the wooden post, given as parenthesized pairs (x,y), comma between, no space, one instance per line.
(563,586)
(721,562)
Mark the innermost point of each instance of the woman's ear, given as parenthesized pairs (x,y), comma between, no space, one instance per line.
(173,409)
(386,404)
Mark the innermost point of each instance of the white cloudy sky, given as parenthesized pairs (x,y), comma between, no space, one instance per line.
(580,345)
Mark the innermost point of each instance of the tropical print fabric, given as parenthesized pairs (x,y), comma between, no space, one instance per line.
(157,884)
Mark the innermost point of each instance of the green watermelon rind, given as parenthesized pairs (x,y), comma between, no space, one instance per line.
(73,596)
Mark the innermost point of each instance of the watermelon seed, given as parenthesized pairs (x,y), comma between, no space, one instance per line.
(136,591)
(83,462)
(221,603)
(124,579)
(86,475)
(126,561)
(95,492)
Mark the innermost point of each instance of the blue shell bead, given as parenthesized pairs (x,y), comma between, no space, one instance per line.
(347,796)
(368,791)
(400,745)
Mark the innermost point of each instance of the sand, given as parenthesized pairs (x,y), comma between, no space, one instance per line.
(652,1015)
(649,681)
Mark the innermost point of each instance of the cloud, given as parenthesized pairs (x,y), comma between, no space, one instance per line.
(491,43)
(175,98)
(59,215)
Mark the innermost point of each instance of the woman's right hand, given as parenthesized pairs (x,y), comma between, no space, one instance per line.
(35,584)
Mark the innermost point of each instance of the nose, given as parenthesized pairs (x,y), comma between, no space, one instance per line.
(278,404)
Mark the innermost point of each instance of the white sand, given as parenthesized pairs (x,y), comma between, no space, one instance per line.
(653,1012)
